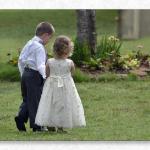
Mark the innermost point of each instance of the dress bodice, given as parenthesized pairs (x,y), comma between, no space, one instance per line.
(59,67)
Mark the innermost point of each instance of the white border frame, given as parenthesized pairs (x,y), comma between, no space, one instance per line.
(74,145)
(75,4)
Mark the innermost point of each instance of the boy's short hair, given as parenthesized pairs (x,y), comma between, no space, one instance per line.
(44,27)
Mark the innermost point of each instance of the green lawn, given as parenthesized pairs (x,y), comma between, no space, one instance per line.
(113,110)
(128,46)
(17,27)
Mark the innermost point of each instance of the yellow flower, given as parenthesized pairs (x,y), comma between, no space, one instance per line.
(111,38)
(116,39)
(140,46)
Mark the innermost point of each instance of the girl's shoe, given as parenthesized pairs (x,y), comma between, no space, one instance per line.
(61,130)
(51,129)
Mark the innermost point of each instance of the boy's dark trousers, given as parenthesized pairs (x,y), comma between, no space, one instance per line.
(31,89)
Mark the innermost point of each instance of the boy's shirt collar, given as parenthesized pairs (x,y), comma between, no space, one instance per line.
(36,38)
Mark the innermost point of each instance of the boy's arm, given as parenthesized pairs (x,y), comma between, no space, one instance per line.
(21,67)
(40,61)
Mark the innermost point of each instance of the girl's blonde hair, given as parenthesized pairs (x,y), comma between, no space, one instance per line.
(62,46)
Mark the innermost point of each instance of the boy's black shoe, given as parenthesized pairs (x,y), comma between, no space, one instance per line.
(20,124)
(36,130)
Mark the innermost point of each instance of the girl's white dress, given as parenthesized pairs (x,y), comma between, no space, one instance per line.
(60,104)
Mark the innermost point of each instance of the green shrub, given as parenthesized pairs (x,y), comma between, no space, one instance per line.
(108,47)
(143,58)
(109,52)
(129,62)
(81,53)
(50,55)
(93,63)
(80,76)
(9,72)
(14,61)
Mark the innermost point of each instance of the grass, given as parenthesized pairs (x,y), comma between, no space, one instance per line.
(128,46)
(113,110)
(18,26)
(80,76)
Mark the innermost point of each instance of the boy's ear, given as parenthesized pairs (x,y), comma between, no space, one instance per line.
(47,34)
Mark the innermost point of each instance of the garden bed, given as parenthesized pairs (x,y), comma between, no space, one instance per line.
(107,61)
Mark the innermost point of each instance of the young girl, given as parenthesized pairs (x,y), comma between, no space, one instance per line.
(60,105)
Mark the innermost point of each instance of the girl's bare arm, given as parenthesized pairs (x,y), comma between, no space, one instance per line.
(72,68)
(47,70)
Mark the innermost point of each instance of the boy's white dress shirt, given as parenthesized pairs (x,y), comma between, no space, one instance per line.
(33,56)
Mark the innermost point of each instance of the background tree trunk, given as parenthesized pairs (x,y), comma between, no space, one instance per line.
(86,31)
(92,30)
(82,26)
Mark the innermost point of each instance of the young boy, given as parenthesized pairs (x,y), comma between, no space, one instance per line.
(31,65)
